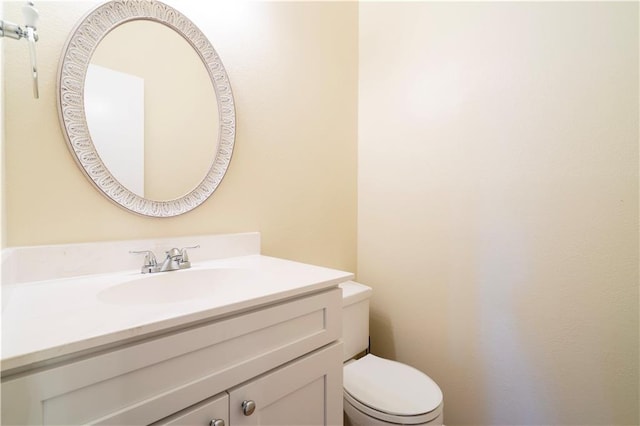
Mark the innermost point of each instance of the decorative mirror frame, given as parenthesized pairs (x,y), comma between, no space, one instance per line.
(72,71)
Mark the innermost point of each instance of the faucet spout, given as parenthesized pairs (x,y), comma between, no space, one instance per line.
(172,261)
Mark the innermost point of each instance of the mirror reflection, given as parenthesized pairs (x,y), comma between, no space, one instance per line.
(151,110)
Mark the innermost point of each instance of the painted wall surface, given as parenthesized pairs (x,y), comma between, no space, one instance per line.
(498,204)
(293,69)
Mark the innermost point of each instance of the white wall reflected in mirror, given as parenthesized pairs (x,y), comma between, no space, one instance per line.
(114,106)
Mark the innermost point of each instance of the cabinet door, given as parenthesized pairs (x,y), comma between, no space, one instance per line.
(211,412)
(304,392)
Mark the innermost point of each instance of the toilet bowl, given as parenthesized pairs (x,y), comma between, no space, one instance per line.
(379,391)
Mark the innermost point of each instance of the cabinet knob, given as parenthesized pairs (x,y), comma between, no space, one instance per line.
(248,407)
(216,422)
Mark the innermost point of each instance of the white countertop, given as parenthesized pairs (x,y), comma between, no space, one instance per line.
(42,320)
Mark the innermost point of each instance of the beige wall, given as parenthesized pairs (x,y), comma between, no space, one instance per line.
(293,69)
(498,204)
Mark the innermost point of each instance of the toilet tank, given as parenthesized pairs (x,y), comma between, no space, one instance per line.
(355,318)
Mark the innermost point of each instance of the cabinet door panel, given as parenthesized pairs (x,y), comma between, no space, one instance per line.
(202,414)
(304,392)
(304,406)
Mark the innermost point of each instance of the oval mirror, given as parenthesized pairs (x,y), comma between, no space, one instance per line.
(146,107)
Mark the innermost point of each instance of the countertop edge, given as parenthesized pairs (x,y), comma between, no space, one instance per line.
(48,357)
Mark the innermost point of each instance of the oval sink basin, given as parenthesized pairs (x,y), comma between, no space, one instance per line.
(176,286)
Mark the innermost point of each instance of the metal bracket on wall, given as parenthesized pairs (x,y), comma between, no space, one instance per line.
(29,33)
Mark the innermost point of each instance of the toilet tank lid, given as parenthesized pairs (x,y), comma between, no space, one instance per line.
(391,387)
(353,292)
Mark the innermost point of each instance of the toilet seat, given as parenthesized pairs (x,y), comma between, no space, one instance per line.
(391,391)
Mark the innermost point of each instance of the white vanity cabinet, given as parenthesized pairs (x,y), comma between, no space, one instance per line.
(305,392)
(285,357)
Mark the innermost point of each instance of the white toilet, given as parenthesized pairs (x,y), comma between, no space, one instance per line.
(378,391)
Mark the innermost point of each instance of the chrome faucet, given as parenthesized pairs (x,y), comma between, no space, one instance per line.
(176,259)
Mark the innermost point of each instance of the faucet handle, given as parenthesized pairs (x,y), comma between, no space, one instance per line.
(150,261)
(185,255)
